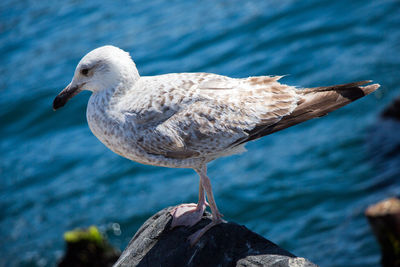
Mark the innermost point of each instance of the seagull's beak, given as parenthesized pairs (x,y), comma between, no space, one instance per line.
(63,97)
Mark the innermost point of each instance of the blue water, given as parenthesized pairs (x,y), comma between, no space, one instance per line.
(305,188)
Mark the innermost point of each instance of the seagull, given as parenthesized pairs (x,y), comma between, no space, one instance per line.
(186,120)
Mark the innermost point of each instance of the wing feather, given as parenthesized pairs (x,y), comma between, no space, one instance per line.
(208,113)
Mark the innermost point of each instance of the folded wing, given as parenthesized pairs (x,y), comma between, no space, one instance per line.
(214,113)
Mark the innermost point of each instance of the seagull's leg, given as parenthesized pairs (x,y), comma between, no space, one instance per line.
(189,214)
(216,215)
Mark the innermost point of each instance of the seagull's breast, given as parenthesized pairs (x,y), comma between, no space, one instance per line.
(107,124)
(118,131)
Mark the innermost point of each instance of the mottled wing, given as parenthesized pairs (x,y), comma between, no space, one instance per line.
(204,115)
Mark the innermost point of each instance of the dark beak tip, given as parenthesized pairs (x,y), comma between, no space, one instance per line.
(62,98)
(54,106)
(58,102)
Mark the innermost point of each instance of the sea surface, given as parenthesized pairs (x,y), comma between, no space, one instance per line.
(305,188)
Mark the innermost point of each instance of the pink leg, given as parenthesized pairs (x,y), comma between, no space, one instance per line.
(189,214)
(216,215)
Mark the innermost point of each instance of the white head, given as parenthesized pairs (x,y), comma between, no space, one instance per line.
(103,68)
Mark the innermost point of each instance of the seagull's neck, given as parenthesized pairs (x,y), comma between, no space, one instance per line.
(109,98)
(123,83)
(105,102)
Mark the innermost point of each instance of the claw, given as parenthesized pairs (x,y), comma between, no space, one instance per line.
(187,214)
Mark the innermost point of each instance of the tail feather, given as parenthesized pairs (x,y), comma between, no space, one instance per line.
(316,102)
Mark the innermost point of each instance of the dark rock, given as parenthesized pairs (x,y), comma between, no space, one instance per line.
(384,218)
(393,110)
(227,244)
(383,148)
(86,248)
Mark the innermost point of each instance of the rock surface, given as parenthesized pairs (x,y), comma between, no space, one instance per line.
(384,218)
(227,244)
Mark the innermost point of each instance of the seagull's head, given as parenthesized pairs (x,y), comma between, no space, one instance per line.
(103,68)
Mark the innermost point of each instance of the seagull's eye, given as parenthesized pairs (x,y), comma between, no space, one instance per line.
(85,71)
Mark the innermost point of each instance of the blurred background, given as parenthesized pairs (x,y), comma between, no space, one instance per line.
(305,188)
